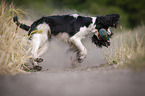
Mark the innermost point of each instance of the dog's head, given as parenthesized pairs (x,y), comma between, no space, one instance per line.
(105,22)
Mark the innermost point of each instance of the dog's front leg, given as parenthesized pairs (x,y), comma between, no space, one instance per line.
(82,50)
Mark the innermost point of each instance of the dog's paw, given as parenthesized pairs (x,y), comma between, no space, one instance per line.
(39,60)
(38,68)
(80,60)
(80,57)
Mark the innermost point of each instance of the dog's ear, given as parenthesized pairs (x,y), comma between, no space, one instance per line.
(96,41)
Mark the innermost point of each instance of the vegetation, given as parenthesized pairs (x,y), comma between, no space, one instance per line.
(13,54)
(128,49)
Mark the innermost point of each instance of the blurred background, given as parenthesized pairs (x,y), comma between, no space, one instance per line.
(131,11)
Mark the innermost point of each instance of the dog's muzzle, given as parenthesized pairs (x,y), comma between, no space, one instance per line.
(102,37)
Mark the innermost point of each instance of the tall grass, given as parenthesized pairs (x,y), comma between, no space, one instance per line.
(128,49)
(13,54)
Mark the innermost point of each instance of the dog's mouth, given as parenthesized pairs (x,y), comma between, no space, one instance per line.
(102,40)
(100,43)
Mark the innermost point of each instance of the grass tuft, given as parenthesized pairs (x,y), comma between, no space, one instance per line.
(13,54)
(128,49)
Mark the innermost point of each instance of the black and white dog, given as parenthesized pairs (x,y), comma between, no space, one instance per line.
(70,28)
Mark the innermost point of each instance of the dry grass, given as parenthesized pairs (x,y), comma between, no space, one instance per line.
(128,49)
(13,54)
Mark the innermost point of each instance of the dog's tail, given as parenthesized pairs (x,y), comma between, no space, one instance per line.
(23,26)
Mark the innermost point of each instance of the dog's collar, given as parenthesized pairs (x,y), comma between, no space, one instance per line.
(29,34)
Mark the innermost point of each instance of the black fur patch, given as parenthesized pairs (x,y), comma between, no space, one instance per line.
(23,26)
(107,21)
(64,23)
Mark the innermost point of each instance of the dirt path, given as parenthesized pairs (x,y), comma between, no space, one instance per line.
(58,79)
(57,55)
(74,83)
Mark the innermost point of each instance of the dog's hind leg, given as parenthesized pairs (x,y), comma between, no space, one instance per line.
(39,42)
(43,49)
(36,42)
(39,46)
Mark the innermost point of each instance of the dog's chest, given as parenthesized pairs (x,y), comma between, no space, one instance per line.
(84,31)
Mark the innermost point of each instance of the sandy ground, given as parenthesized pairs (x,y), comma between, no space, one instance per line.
(58,78)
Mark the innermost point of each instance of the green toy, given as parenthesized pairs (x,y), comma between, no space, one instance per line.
(103,35)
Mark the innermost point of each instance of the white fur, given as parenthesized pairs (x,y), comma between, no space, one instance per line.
(76,39)
(74,15)
(40,40)
(92,26)
(63,36)
(109,31)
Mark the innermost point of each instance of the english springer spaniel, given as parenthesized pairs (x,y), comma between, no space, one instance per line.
(71,29)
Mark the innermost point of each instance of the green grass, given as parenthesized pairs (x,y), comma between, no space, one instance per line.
(13,54)
(128,49)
